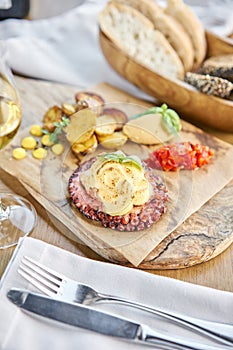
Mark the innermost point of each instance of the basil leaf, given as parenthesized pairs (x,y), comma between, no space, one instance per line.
(171,121)
(121,158)
(133,162)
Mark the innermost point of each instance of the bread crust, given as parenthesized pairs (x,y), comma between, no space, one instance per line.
(134,33)
(219,66)
(168,26)
(192,25)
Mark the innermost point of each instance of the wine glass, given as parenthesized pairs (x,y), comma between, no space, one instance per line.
(17,215)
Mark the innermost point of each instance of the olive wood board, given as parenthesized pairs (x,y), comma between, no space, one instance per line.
(202,236)
(193,105)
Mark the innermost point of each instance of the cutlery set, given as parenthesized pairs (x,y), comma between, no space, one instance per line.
(71,302)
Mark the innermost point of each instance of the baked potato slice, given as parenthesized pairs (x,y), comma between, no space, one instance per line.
(87,147)
(53,115)
(119,116)
(81,127)
(105,125)
(89,99)
(68,109)
(115,140)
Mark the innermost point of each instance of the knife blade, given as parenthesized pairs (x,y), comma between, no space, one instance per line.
(98,321)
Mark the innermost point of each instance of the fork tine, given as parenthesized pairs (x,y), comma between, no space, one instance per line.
(45,279)
(40,278)
(43,271)
(51,272)
(36,283)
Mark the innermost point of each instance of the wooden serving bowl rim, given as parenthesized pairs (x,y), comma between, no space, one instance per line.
(192,105)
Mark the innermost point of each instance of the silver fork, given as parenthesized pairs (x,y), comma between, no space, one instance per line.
(59,286)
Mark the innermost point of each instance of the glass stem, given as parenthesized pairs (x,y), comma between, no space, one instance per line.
(4,211)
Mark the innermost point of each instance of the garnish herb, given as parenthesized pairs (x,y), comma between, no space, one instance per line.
(170,118)
(121,158)
(53,136)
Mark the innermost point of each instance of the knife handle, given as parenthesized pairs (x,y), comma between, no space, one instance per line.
(148,335)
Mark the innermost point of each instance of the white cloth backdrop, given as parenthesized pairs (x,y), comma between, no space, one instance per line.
(60,42)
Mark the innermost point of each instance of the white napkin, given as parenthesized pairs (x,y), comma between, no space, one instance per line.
(66,48)
(24,331)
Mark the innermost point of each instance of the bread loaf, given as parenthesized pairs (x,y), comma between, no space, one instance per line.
(219,66)
(192,25)
(135,35)
(168,26)
(210,85)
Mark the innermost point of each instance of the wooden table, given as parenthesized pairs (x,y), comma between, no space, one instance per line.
(216,273)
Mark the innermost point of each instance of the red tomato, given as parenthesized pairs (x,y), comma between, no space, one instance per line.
(182,155)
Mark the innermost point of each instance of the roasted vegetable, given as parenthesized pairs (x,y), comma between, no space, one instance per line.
(86,147)
(89,100)
(53,115)
(105,125)
(81,127)
(119,116)
(115,140)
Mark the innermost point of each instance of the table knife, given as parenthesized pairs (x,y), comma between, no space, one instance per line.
(101,322)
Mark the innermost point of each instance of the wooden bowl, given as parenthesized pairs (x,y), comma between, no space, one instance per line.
(191,104)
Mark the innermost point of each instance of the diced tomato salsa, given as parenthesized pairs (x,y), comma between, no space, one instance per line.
(181,155)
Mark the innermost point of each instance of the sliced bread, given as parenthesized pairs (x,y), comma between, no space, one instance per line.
(132,32)
(192,25)
(168,26)
(219,66)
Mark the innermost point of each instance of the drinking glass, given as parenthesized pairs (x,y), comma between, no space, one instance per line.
(17,215)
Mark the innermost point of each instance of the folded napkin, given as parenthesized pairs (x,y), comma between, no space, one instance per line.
(66,48)
(24,331)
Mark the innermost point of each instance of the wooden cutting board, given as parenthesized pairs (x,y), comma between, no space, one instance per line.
(204,235)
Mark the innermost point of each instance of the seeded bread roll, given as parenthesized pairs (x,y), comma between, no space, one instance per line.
(210,85)
(168,26)
(192,25)
(219,66)
(135,35)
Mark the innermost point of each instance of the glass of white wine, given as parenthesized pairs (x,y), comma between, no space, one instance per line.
(17,215)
